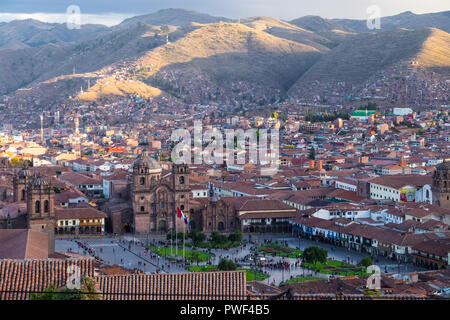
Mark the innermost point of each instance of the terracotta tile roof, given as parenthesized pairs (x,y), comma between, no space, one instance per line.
(37,275)
(79,213)
(23,244)
(271,215)
(348,286)
(259,205)
(187,286)
(439,248)
(261,288)
(78,179)
(399,181)
(66,195)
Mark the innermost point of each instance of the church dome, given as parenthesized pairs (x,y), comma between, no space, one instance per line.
(40,181)
(144,161)
(25,173)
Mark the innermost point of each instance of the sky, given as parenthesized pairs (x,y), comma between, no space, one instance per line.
(112,12)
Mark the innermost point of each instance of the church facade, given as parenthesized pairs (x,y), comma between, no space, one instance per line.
(154,199)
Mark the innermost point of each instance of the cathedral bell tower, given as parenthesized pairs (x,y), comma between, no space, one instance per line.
(441,185)
(21,181)
(145,174)
(41,209)
(181,185)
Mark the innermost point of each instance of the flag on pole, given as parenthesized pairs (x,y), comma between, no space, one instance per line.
(187,222)
(180,213)
(184,218)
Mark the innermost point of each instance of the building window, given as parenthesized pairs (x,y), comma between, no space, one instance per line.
(23,194)
(142,208)
(37,207)
(46,206)
(181,180)
(182,207)
(142,181)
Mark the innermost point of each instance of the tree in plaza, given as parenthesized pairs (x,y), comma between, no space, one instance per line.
(172,235)
(235,236)
(366,261)
(197,237)
(226,265)
(314,254)
(195,256)
(217,238)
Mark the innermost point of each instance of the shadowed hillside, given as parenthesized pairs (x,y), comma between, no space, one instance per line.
(20,68)
(359,58)
(227,52)
(288,31)
(407,20)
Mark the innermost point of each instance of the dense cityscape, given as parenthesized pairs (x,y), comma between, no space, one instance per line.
(357,207)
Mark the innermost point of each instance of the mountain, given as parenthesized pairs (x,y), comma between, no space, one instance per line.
(361,57)
(173,17)
(20,34)
(26,66)
(217,55)
(288,31)
(407,20)
(328,29)
(318,24)
(194,57)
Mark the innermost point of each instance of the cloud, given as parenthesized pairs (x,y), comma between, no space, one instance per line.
(108,19)
(111,11)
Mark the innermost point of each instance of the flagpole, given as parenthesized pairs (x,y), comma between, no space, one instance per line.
(176,237)
(184,237)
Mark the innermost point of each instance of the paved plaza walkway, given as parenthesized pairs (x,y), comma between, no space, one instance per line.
(129,252)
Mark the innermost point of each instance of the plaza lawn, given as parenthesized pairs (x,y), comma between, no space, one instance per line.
(203,268)
(301,279)
(250,275)
(210,245)
(165,252)
(337,268)
(280,250)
